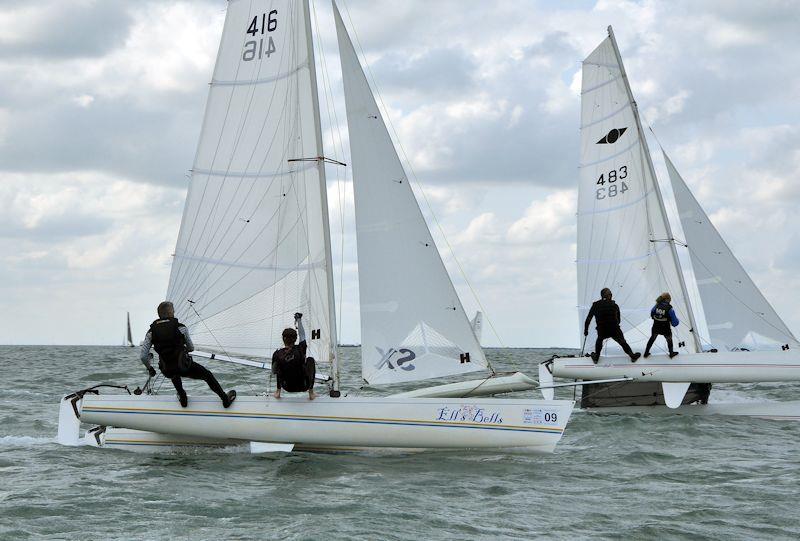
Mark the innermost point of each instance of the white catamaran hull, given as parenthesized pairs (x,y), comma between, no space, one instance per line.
(721,367)
(535,425)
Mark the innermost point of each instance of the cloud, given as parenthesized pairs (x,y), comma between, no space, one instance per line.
(99,123)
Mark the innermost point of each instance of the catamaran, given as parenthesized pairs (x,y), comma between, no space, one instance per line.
(625,242)
(254,248)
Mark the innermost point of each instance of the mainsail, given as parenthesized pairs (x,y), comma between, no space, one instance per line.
(736,311)
(253,245)
(413,326)
(129,336)
(624,238)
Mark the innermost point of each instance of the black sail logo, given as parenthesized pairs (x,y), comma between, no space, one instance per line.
(611,137)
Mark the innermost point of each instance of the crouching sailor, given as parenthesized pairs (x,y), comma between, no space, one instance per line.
(608,318)
(172,342)
(663,315)
(293,371)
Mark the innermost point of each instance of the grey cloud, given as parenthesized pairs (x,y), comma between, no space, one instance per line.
(55,228)
(435,71)
(69,29)
(111,135)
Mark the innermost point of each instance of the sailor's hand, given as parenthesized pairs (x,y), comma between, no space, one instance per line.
(297,316)
(151,371)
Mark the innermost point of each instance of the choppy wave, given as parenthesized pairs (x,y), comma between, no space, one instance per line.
(612,476)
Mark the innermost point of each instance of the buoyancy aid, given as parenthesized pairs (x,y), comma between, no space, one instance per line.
(661,311)
(170,344)
(605,314)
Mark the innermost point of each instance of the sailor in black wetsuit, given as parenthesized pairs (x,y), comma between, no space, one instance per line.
(293,371)
(663,316)
(172,342)
(607,317)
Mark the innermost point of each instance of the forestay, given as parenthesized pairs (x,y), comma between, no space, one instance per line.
(736,312)
(252,246)
(413,326)
(623,234)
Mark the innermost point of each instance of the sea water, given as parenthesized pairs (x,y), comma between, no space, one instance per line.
(612,476)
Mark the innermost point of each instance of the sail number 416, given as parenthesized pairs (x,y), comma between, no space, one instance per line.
(260,25)
(613,189)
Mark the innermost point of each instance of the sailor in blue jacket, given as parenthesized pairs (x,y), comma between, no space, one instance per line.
(663,316)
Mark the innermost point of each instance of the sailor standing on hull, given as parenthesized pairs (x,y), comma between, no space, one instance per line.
(663,315)
(608,318)
(172,342)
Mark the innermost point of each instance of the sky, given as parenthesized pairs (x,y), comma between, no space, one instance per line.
(101,103)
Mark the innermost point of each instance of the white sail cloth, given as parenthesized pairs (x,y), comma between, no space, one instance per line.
(251,248)
(623,233)
(736,311)
(413,326)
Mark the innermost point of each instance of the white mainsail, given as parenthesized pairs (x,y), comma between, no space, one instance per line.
(253,245)
(128,334)
(413,326)
(624,238)
(736,311)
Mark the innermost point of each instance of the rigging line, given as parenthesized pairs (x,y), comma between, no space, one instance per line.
(328,91)
(220,345)
(422,191)
(234,217)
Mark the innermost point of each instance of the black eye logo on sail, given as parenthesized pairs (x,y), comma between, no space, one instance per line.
(611,137)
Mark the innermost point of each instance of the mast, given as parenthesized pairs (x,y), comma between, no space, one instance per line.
(324,199)
(670,240)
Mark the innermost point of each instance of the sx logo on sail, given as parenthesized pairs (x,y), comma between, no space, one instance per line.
(404,363)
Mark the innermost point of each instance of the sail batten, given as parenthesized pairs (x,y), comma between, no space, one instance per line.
(251,250)
(413,326)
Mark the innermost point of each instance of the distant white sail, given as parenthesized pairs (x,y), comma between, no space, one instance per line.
(736,311)
(412,323)
(623,233)
(477,325)
(129,336)
(252,246)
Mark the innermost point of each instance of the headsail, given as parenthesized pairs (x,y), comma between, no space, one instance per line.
(736,311)
(413,326)
(252,247)
(624,239)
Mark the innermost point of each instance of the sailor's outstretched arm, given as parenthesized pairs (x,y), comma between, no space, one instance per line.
(301,332)
(144,353)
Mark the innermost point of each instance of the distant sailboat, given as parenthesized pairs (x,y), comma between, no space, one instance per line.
(625,242)
(128,342)
(254,248)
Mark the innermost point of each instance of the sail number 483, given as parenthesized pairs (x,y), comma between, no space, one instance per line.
(612,189)
(263,46)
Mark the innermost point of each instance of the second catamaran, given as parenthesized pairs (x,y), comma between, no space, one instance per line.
(625,242)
